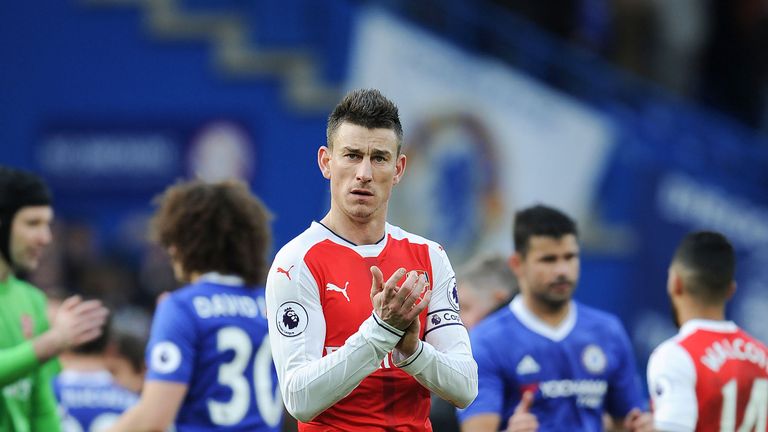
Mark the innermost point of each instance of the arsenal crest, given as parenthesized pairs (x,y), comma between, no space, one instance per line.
(27,326)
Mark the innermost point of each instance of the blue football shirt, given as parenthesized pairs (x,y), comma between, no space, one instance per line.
(212,336)
(90,401)
(577,371)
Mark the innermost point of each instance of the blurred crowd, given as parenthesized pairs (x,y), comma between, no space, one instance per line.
(708,51)
(712,51)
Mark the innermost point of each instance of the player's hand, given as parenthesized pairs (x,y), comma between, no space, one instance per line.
(409,343)
(638,421)
(398,307)
(78,321)
(522,420)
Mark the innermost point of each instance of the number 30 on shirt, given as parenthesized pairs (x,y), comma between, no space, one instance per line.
(232,375)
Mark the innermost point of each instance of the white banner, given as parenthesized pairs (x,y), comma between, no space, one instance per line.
(482,140)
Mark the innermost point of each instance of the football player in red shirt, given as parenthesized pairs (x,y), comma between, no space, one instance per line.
(364,316)
(712,376)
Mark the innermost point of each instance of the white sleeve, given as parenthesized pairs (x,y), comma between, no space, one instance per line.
(443,362)
(309,382)
(672,384)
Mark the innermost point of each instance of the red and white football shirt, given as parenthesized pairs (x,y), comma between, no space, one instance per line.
(712,376)
(334,356)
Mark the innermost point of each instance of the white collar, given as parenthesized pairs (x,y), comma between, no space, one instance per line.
(94,377)
(536,325)
(366,250)
(220,279)
(691,326)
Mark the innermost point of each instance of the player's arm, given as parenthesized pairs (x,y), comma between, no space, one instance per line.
(44,416)
(76,322)
(635,421)
(443,362)
(672,384)
(624,399)
(309,381)
(482,423)
(16,362)
(522,420)
(155,411)
(496,384)
(170,362)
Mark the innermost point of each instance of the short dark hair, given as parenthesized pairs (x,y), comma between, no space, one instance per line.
(131,348)
(540,220)
(367,108)
(215,227)
(711,261)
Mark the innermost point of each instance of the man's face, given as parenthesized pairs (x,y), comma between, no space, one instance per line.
(550,270)
(363,166)
(30,234)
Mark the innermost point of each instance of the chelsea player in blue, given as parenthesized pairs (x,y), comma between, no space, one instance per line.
(547,362)
(208,357)
(90,399)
